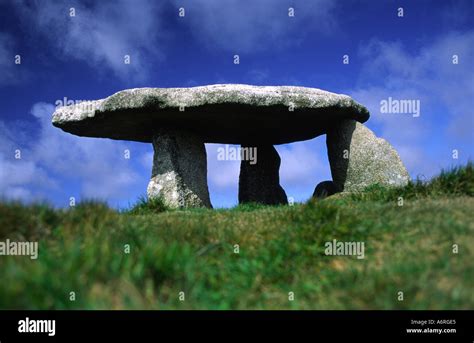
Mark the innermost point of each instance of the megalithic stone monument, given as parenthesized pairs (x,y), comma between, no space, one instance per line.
(179,121)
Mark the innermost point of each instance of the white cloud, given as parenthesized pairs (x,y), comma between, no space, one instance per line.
(147,159)
(222,178)
(221,175)
(417,161)
(101,33)
(248,26)
(302,163)
(57,162)
(428,74)
(303,166)
(16,174)
(445,90)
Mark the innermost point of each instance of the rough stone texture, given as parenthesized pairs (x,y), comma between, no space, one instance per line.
(324,189)
(232,113)
(260,182)
(179,175)
(369,160)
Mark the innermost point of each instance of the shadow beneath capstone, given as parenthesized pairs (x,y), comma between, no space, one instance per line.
(230,123)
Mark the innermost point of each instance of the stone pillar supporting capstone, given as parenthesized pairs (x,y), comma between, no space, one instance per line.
(359,159)
(179,175)
(259,179)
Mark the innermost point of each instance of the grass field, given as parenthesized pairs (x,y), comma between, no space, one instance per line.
(410,247)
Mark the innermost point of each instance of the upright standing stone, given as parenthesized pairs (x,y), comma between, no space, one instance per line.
(359,159)
(260,182)
(179,175)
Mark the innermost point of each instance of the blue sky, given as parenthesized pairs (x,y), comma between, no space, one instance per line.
(81,58)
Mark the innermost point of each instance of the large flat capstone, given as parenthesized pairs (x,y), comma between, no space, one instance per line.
(227,113)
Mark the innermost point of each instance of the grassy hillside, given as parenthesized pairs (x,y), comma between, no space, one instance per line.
(408,248)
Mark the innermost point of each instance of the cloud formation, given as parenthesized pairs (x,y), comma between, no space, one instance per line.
(252,26)
(58,165)
(103,33)
(99,33)
(445,90)
(303,166)
(222,177)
